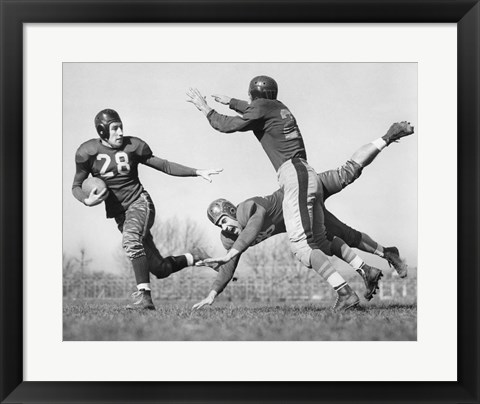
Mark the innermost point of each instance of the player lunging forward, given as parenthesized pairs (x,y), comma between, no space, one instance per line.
(114,158)
(259,218)
(276,128)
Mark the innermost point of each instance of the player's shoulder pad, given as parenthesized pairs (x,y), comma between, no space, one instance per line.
(86,150)
(140,147)
(276,198)
(256,109)
(246,210)
(134,141)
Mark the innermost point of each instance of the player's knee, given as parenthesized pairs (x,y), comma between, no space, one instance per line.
(162,269)
(304,258)
(325,246)
(160,273)
(352,237)
(337,244)
(132,244)
(302,254)
(349,172)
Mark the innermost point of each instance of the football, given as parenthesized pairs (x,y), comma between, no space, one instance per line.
(93,182)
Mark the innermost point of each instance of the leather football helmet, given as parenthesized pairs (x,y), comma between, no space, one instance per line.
(263,87)
(219,208)
(103,120)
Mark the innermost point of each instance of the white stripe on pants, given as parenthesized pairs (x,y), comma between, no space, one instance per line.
(303,209)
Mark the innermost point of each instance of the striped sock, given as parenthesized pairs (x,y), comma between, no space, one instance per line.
(321,264)
(357,262)
(379,250)
(336,281)
(189,258)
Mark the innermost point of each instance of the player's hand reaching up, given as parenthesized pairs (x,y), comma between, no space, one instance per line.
(196,98)
(222,99)
(94,198)
(205,174)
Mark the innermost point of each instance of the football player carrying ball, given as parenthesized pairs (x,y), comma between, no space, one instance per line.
(114,158)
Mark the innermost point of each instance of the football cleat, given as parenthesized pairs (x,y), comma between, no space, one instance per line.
(199,254)
(371,276)
(142,300)
(346,299)
(393,257)
(397,131)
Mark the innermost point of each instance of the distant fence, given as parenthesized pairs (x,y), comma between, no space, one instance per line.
(248,288)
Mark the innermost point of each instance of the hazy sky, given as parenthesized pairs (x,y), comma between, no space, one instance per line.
(338,106)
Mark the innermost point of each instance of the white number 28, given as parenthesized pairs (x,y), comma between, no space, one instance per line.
(121,158)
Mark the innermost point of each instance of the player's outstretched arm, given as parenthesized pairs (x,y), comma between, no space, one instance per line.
(239,106)
(222,99)
(223,123)
(223,278)
(179,170)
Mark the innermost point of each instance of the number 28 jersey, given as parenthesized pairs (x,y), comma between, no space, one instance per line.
(118,168)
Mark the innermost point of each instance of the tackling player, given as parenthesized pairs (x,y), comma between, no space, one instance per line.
(276,129)
(114,158)
(259,218)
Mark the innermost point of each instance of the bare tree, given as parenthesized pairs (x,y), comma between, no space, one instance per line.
(69,265)
(83,262)
(271,258)
(123,264)
(172,237)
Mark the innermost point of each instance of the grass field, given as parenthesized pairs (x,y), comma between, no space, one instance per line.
(106,320)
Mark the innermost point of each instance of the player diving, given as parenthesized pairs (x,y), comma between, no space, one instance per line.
(276,128)
(258,218)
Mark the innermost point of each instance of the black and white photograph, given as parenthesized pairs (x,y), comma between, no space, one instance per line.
(240,201)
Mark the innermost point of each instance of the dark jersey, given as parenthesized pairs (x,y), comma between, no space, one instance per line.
(272,123)
(259,218)
(118,168)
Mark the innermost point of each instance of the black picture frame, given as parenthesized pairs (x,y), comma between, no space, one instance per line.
(465,13)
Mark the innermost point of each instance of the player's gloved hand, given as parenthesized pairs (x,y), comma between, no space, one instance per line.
(196,98)
(207,301)
(94,198)
(205,174)
(222,99)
